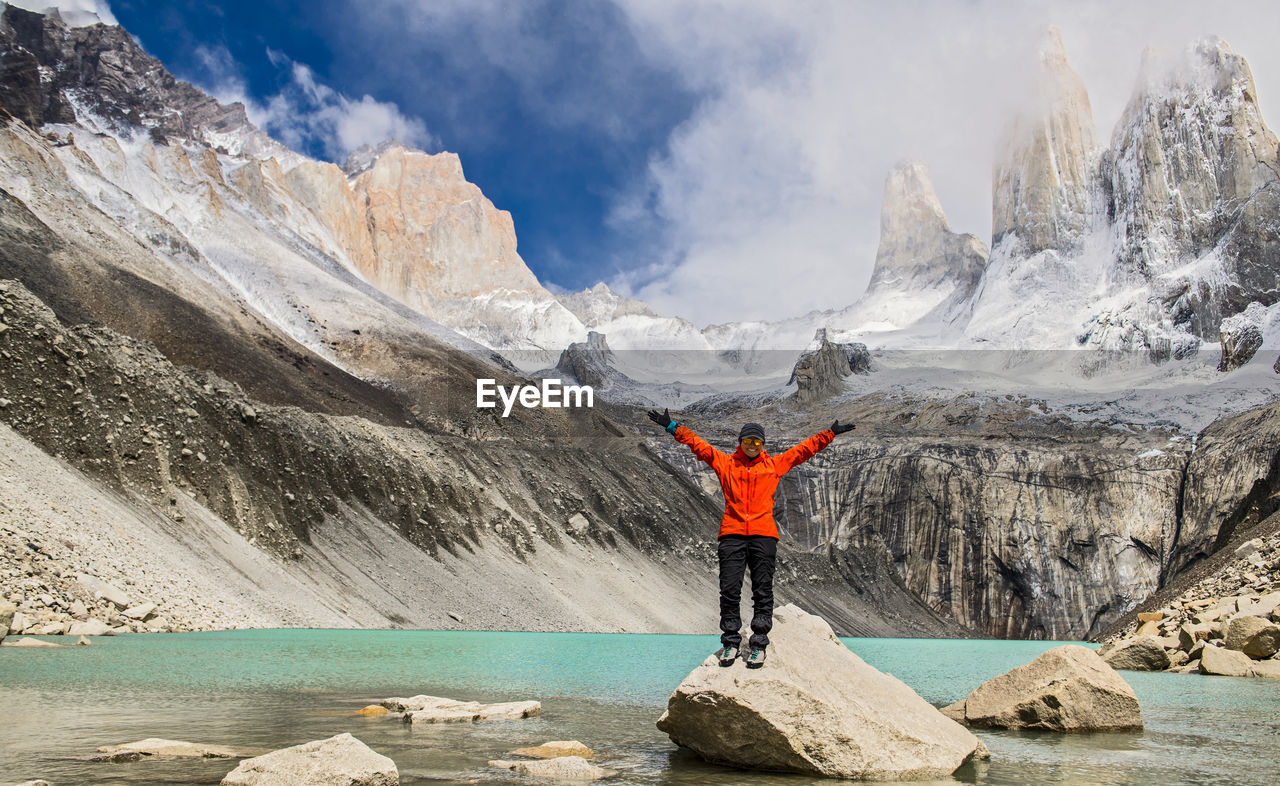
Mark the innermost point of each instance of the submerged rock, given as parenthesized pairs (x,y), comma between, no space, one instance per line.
(117,757)
(1068,688)
(568,768)
(555,749)
(338,761)
(28,642)
(814,708)
(373,711)
(437,709)
(156,746)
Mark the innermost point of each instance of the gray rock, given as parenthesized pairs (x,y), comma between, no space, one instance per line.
(117,757)
(1142,653)
(1240,341)
(338,761)
(1224,662)
(1068,688)
(568,768)
(814,708)
(141,612)
(104,589)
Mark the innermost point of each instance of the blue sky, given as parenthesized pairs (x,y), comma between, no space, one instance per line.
(720,159)
(556,145)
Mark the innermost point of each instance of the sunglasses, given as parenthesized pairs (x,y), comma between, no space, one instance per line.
(752,441)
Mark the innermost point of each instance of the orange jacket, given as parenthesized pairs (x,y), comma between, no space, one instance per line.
(749,485)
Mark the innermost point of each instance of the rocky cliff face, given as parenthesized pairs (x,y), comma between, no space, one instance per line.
(1009,519)
(1042,189)
(53,73)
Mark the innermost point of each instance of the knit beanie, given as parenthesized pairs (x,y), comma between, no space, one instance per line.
(751,430)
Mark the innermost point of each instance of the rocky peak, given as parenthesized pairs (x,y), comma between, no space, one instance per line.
(435,234)
(1192,175)
(917,247)
(1190,149)
(365,156)
(588,362)
(819,373)
(51,72)
(599,304)
(1043,181)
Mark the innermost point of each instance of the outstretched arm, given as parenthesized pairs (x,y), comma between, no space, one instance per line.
(683,434)
(806,450)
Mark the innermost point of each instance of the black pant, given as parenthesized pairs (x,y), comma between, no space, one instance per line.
(737,553)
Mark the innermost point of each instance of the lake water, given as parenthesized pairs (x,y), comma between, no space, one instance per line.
(270,689)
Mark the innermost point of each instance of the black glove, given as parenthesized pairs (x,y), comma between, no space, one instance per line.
(839,429)
(662,418)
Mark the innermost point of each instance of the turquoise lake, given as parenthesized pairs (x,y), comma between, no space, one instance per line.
(266,689)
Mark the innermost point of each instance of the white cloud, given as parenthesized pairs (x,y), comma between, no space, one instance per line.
(767,199)
(75,13)
(306,112)
(310,110)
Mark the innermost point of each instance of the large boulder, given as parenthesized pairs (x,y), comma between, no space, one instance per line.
(90,627)
(7,610)
(814,708)
(1254,636)
(338,761)
(1068,688)
(1141,653)
(1225,663)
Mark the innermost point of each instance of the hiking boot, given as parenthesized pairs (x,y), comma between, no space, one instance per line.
(756,659)
(727,655)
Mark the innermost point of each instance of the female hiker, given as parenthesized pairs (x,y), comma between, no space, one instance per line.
(748,535)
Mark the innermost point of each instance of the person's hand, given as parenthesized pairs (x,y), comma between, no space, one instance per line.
(662,418)
(839,429)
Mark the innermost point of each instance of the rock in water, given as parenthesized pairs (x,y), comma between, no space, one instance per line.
(565,768)
(1225,663)
(814,708)
(338,761)
(555,749)
(1068,688)
(1141,653)
(179,749)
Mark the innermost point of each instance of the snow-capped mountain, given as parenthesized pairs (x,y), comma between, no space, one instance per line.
(1145,245)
